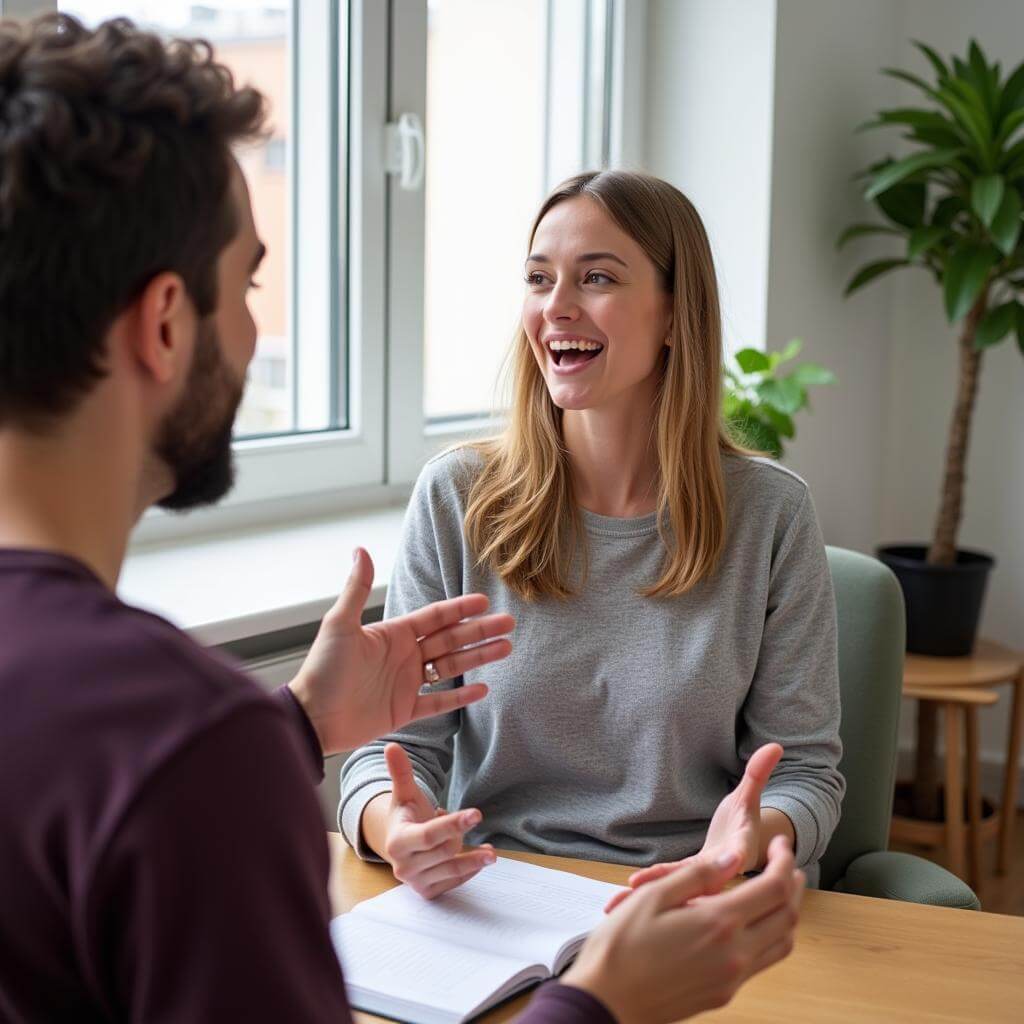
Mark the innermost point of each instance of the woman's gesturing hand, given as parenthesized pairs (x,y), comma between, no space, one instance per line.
(359,682)
(660,957)
(424,844)
(735,829)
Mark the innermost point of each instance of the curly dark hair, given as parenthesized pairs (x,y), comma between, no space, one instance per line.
(115,166)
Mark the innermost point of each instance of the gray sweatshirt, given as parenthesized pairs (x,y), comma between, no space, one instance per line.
(619,722)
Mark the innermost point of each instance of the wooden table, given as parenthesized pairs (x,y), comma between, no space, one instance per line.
(857,960)
(989,665)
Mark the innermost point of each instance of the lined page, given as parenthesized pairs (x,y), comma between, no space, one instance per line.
(510,908)
(390,970)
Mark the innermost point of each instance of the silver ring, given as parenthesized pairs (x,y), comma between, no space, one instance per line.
(430,673)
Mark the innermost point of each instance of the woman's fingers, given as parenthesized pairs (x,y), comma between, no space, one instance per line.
(453,872)
(403,783)
(473,631)
(421,862)
(759,768)
(416,838)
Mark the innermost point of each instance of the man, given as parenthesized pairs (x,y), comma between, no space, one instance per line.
(161,851)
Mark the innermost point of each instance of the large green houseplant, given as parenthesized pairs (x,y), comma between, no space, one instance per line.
(954,203)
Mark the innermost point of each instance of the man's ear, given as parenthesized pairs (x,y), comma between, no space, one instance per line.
(165,328)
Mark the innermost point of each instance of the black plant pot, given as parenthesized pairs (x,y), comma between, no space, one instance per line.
(943,601)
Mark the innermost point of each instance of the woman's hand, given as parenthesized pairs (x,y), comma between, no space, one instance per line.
(359,682)
(661,957)
(735,829)
(422,844)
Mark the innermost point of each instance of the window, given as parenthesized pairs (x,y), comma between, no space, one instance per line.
(515,96)
(484,178)
(389,296)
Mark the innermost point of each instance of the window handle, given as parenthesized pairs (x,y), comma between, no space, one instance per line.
(406,151)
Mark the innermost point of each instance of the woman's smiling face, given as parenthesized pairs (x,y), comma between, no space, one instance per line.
(595,311)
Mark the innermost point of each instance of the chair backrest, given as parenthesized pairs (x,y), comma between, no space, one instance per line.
(872,640)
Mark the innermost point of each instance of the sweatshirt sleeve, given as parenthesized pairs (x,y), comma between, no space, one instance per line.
(427,569)
(556,1003)
(794,697)
(211,900)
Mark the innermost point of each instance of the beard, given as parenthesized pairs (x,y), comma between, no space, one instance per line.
(194,441)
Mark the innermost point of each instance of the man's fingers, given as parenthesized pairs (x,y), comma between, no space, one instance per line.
(772,955)
(429,704)
(458,663)
(692,878)
(403,783)
(348,609)
(437,616)
(473,631)
(771,889)
(727,863)
(775,925)
(617,899)
(651,874)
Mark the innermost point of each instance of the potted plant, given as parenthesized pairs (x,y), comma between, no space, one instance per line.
(955,203)
(759,400)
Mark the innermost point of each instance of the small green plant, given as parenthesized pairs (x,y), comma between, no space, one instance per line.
(759,401)
(953,204)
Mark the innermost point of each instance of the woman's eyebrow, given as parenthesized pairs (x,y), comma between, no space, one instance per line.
(587,257)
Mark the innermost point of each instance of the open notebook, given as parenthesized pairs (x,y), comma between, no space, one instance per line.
(446,960)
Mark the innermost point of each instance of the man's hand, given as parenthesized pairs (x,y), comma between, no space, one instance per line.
(735,829)
(422,844)
(682,946)
(359,682)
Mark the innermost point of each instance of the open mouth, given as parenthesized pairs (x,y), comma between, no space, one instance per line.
(568,353)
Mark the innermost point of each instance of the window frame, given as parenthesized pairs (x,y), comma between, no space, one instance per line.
(367,255)
(593,33)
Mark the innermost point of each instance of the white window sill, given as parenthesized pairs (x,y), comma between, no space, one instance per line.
(226,588)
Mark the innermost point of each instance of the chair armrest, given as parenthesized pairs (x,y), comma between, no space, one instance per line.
(901,876)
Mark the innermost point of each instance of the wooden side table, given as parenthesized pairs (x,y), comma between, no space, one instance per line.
(960,685)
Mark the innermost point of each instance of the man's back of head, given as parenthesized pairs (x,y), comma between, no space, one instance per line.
(115,166)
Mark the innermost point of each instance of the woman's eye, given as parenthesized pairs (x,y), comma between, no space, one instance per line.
(534,278)
(255,284)
(596,277)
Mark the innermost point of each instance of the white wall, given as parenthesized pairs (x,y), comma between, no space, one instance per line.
(719,73)
(826,82)
(708,131)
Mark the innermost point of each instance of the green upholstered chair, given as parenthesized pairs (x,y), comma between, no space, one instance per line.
(869,606)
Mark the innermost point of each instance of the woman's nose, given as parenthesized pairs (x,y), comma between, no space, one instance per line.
(561,305)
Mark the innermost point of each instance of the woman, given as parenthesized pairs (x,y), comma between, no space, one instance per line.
(674,603)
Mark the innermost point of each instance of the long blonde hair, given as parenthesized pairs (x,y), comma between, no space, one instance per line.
(522,520)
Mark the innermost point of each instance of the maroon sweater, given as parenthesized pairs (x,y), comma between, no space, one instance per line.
(162,856)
